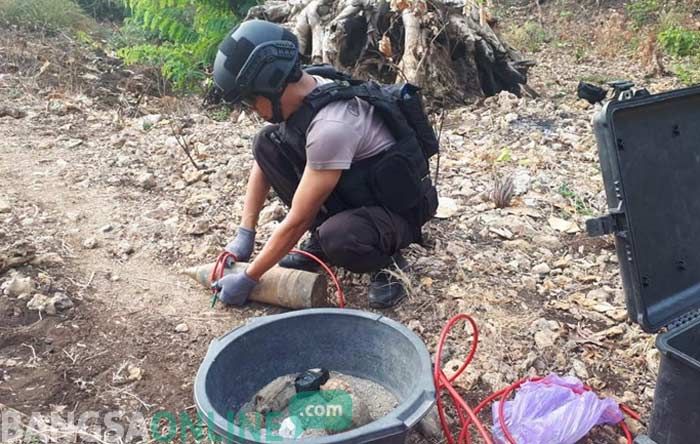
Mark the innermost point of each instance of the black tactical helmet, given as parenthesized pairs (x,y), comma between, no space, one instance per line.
(257,58)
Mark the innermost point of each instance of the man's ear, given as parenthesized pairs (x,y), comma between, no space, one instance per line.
(263,107)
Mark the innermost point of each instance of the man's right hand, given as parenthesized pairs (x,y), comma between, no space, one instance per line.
(242,245)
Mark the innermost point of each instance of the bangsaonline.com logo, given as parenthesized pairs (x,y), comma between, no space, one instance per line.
(328,412)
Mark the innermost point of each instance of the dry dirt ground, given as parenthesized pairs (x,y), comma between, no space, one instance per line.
(99,202)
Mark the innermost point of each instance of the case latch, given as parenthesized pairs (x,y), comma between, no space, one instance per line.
(612,223)
(624,90)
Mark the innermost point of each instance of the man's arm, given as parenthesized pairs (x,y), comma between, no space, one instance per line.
(256,193)
(313,190)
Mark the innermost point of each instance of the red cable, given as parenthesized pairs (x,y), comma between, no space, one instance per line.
(631,413)
(467,416)
(443,382)
(339,290)
(220,265)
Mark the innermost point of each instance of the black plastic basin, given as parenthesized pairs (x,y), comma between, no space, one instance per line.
(675,418)
(353,342)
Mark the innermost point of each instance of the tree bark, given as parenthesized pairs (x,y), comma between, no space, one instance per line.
(447,47)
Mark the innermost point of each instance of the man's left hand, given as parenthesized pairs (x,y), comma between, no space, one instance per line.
(235,288)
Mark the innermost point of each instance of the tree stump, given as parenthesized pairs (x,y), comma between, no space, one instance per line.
(449,48)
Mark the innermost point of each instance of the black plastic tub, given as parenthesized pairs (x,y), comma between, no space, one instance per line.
(353,342)
(676,414)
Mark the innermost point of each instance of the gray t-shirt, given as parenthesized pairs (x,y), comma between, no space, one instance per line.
(344,132)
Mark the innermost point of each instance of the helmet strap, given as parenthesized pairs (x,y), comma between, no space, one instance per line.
(293,77)
(277,116)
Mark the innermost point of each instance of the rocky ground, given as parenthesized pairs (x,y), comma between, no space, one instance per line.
(101,208)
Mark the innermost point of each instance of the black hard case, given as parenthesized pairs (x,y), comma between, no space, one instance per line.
(649,148)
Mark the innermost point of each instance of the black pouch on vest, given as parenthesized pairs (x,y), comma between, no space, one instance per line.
(428,204)
(394,182)
(412,107)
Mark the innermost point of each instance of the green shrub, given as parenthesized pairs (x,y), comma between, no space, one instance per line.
(45,15)
(184,35)
(643,12)
(672,17)
(104,9)
(680,42)
(683,45)
(579,203)
(530,37)
(688,73)
(220,113)
(131,34)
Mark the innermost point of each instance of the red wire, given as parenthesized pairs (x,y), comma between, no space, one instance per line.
(443,382)
(219,266)
(467,416)
(631,413)
(339,290)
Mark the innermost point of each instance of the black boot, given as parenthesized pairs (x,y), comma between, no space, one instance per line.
(385,290)
(301,262)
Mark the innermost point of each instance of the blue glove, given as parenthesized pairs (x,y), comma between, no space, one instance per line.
(235,288)
(242,245)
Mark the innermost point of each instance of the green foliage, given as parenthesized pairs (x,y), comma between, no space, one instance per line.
(566,14)
(643,12)
(680,42)
(44,15)
(506,155)
(689,72)
(581,206)
(181,35)
(672,24)
(131,34)
(672,16)
(103,9)
(683,45)
(531,36)
(220,114)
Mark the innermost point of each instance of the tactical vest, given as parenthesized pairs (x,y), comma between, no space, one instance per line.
(397,178)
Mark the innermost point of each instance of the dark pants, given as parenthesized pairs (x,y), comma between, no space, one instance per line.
(359,239)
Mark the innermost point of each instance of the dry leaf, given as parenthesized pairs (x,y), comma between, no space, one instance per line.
(447,208)
(400,5)
(134,373)
(565,226)
(418,7)
(385,46)
(502,232)
(603,307)
(545,339)
(619,315)
(524,211)
(451,367)
(615,330)
(44,67)
(584,335)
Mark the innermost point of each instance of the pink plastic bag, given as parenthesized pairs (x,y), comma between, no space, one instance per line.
(554,410)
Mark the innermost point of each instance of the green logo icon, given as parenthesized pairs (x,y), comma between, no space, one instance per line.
(329,410)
